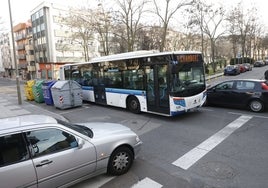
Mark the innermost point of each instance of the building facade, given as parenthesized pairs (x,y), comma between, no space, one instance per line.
(22,35)
(52,40)
(7,66)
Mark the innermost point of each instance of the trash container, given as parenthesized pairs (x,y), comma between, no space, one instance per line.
(46,88)
(37,91)
(66,94)
(28,90)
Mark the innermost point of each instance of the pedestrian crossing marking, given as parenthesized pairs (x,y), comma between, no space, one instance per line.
(191,157)
(147,183)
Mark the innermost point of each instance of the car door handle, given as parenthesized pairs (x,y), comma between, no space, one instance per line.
(45,162)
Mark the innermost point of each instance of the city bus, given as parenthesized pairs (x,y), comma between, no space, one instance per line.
(164,83)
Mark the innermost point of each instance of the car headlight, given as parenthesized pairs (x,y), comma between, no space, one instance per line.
(138,139)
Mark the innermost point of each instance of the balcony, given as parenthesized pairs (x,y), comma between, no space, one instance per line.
(21,47)
(20,37)
(22,65)
(31,68)
(29,47)
(29,58)
(21,56)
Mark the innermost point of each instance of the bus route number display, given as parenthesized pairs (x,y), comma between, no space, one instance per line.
(188,58)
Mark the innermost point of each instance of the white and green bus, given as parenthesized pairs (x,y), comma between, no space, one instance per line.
(164,83)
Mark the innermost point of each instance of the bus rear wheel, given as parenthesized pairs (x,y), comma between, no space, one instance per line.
(133,105)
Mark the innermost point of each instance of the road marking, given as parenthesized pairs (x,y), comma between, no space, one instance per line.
(190,158)
(257,116)
(94,182)
(148,183)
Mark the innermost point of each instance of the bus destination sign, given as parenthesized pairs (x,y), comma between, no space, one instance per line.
(188,58)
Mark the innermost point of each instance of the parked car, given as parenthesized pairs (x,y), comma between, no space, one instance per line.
(40,151)
(242,68)
(258,63)
(248,66)
(241,93)
(231,70)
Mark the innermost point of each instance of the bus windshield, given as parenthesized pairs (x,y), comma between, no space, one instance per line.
(187,77)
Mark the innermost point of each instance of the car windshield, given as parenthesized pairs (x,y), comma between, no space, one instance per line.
(230,67)
(79,128)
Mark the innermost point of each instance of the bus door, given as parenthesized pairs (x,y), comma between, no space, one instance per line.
(99,91)
(157,89)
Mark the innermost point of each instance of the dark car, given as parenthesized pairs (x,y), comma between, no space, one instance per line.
(258,63)
(243,93)
(231,70)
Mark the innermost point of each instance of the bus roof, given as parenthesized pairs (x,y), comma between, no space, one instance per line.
(134,55)
(137,54)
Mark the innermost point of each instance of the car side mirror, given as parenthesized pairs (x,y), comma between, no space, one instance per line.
(80,142)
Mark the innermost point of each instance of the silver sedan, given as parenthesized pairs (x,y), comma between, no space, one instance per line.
(40,151)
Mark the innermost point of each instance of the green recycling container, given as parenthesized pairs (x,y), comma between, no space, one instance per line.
(38,92)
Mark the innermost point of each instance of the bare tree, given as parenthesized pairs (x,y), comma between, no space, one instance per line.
(165,16)
(130,14)
(82,29)
(233,31)
(242,26)
(213,19)
(104,26)
(210,18)
(197,13)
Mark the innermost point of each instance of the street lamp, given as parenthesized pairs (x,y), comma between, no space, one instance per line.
(14,53)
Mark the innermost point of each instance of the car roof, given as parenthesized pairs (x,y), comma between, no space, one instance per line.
(25,120)
(242,79)
(251,80)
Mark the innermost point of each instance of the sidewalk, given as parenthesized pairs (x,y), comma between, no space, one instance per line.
(9,106)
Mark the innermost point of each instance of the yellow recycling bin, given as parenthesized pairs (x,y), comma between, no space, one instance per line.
(28,90)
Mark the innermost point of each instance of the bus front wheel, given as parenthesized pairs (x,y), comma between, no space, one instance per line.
(133,105)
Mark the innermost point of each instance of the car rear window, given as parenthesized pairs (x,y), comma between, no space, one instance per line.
(245,85)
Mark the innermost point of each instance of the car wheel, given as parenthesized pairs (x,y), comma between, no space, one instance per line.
(134,105)
(256,105)
(120,161)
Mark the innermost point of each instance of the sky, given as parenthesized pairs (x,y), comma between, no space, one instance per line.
(21,10)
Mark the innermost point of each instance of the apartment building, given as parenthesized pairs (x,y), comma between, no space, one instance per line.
(7,66)
(52,40)
(22,35)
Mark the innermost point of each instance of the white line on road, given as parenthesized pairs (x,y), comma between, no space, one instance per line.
(94,182)
(257,116)
(190,158)
(147,183)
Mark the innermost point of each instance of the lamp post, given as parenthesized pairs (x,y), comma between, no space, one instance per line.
(14,53)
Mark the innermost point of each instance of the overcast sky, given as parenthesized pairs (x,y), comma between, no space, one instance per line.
(21,8)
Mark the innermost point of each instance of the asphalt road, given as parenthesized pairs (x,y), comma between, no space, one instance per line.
(208,148)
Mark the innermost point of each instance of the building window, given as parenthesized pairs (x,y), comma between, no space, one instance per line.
(42,27)
(41,12)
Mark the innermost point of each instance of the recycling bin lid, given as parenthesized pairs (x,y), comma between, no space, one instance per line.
(60,84)
(48,82)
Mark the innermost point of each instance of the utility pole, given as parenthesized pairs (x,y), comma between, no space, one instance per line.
(14,53)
